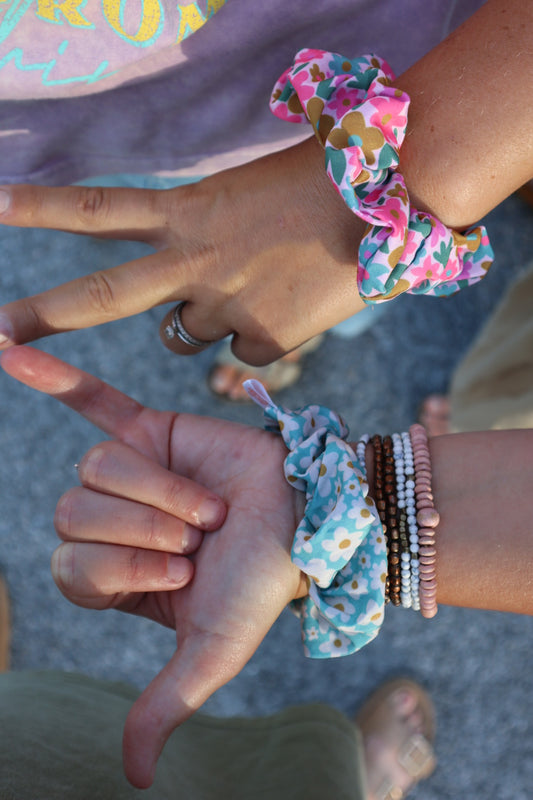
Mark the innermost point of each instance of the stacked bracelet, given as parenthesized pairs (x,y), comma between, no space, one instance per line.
(356,553)
(404,500)
(360,119)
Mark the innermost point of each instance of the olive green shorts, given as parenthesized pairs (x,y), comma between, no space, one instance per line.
(60,737)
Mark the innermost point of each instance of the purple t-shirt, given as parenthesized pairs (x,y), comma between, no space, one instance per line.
(96,87)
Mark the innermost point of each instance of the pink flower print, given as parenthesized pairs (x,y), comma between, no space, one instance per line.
(281,110)
(390,117)
(354,158)
(428,270)
(304,86)
(392,215)
(378,196)
(439,232)
(383,66)
(452,269)
(411,246)
(342,101)
(309,54)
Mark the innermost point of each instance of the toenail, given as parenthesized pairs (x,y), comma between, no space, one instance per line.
(404,701)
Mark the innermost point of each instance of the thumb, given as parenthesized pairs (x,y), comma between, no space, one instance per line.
(194,673)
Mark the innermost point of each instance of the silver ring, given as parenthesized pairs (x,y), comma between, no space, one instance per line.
(178,329)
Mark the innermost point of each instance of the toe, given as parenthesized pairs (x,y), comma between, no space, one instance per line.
(222,379)
(435,414)
(397,724)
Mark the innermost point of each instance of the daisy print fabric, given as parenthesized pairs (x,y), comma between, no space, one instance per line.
(360,119)
(339,544)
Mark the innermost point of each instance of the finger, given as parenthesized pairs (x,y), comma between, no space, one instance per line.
(86,516)
(95,299)
(106,407)
(193,674)
(184,323)
(120,213)
(258,352)
(116,468)
(97,575)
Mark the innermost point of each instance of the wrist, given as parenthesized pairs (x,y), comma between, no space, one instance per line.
(298,505)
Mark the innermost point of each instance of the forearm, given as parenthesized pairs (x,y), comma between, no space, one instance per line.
(481,486)
(468,144)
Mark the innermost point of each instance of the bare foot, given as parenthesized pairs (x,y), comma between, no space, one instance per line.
(397,724)
(435,414)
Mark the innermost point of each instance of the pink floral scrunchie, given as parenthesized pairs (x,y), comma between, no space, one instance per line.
(360,120)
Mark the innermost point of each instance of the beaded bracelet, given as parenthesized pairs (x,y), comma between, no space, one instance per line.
(360,120)
(404,500)
(428,520)
(381,504)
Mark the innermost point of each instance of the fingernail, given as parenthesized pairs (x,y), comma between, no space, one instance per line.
(178,570)
(61,515)
(62,566)
(211,513)
(5,200)
(6,331)
(192,539)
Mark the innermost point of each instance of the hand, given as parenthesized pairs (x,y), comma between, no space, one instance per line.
(243,573)
(266,251)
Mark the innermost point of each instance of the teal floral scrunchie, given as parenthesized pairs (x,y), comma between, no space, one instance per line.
(360,120)
(339,544)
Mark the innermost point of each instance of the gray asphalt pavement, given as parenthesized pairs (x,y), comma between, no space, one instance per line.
(477,665)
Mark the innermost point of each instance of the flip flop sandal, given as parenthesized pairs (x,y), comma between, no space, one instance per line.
(412,753)
(5,627)
(276,376)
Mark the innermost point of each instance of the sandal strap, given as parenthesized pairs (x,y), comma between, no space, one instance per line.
(417,758)
(387,791)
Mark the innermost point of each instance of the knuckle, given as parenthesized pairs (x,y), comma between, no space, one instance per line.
(152,531)
(176,501)
(175,204)
(92,205)
(135,568)
(34,321)
(100,293)
(170,499)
